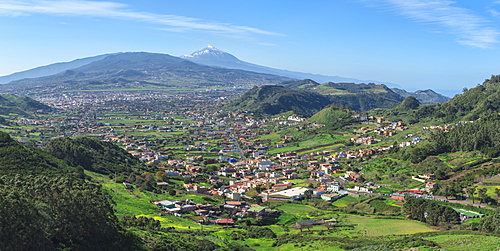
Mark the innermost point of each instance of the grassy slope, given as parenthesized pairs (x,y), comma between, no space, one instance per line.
(137,203)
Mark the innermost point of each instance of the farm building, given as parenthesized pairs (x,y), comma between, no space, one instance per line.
(466,215)
(289,194)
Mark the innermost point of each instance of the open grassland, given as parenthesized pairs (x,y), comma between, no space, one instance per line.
(127,203)
(376,226)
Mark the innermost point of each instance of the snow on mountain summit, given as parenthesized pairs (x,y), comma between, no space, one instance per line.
(210,53)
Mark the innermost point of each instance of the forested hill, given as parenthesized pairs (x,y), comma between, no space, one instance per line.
(93,155)
(273,99)
(359,97)
(16,158)
(306,84)
(306,101)
(45,206)
(474,103)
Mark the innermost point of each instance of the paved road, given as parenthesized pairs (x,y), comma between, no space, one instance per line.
(240,151)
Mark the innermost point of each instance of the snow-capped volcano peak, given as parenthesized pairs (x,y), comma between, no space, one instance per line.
(210,53)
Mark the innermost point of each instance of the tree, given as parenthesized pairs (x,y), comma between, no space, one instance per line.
(172,192)
(481,192)
(497,193)
(308,194)
(161,175)
(445,190)
(252,192)
(470,192)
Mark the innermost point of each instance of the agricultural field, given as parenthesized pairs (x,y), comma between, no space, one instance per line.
(377,226)
(460,158)
(461,241)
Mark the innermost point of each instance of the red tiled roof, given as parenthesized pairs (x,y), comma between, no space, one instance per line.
(224,221)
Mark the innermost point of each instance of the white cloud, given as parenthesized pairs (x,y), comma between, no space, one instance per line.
(494,13)
(470,29)
(104,9)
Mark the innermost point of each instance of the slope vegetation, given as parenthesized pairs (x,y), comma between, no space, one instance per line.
(93,155)
(472,104)
(271,99)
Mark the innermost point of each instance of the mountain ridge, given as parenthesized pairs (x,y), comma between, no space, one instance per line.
(214,57)
(50,69)
(153,68)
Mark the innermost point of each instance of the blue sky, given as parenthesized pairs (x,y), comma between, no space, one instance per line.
(417,44)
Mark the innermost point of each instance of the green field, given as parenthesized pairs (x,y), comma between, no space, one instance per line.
(373,226)
(299,210)
(466,242)
(460,158)
(344,201)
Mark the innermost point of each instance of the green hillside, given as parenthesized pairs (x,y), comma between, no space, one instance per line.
(333,116)
(277,99)
(474,103)
(306,84)
(12,104)
(16,158)
(359,97)
(350,88)
(91,154)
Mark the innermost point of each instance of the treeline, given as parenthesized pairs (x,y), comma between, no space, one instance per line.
(430,212)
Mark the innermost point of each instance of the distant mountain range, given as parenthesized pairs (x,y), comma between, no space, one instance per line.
(144,70)
(208,67)
(51,69)
(212,56)
(209,56)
